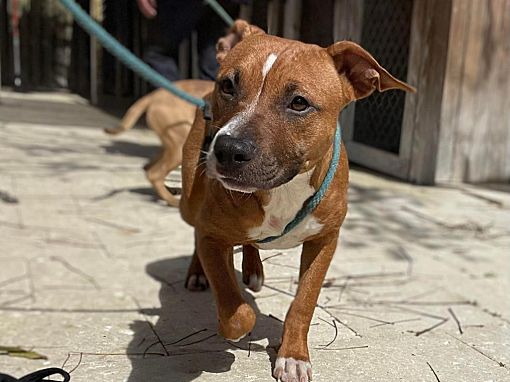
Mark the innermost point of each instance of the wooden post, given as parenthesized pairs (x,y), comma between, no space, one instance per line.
(184,52)
(292,19)
(1,10)
(36,18)
(347,25)
(96,13)
(245,11)
(0,66)
(427,64)
(16,48)
(273,13)
(195,67)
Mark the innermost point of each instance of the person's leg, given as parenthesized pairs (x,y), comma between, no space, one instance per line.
(162,61)
(175,20)
(209,29)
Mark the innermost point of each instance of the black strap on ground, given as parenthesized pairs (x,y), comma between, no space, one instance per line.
(39,376)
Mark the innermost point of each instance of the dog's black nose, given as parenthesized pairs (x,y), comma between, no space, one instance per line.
(233,152)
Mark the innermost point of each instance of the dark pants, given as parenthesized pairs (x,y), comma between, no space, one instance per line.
(176,19)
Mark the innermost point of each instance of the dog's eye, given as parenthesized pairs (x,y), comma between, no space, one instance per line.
(227,87)
(299,104)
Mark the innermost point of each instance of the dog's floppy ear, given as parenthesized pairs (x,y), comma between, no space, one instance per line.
(362,70)
(240,30)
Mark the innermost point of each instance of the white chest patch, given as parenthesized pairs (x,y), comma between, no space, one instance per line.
(283,206)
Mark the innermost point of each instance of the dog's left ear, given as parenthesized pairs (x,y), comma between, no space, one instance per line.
(239,31)
(362,70)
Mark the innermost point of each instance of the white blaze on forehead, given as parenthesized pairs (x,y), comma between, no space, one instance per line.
(270,60)
(268,64)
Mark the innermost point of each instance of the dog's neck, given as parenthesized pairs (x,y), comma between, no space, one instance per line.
(288,217)
(316,172)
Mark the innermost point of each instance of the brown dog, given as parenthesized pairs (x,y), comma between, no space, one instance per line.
(171,119)
(268,148)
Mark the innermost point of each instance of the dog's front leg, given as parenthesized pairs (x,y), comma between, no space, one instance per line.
(236,318)
(293,362)
(253,272)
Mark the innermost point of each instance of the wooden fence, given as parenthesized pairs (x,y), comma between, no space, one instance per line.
(456,52)
(45,34)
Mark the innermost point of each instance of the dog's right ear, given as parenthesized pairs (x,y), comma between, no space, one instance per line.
(240,30)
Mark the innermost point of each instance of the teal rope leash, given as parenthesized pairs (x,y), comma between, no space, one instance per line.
(124,55)
(145,71)
(311,204)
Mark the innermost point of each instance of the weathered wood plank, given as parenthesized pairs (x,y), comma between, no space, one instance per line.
(375,159)
(245,11)
(486,150)
(273,17)
(475,122)
(504,77)
(292,19)
(429,39)
(5,46)
(37,38)
(348,20)
(347,25)
(461,15)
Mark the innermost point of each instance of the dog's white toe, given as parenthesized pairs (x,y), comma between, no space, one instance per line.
(291,370)
(197,283)
(255,283)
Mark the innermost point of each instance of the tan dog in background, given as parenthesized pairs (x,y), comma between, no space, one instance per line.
(170,118)
(264,152)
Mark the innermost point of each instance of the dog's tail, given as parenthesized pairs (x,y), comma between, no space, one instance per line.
(132,115)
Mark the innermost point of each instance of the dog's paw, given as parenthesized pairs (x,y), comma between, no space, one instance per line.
(235,326)
(196,283)
(292,370)
(114,130)
(254,281)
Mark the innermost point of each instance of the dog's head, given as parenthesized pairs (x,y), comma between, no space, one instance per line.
(276,103)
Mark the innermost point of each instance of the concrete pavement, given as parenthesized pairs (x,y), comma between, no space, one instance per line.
(92,269)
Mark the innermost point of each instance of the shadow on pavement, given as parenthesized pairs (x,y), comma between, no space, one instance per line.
(184,343)
(119,147)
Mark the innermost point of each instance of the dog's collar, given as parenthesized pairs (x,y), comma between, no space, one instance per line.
(311,203)
(207,111)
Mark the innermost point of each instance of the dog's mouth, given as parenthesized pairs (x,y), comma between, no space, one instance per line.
(235,185)
(250,182)
(230,183)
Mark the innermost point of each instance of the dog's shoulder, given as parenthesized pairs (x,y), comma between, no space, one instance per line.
(192,167)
